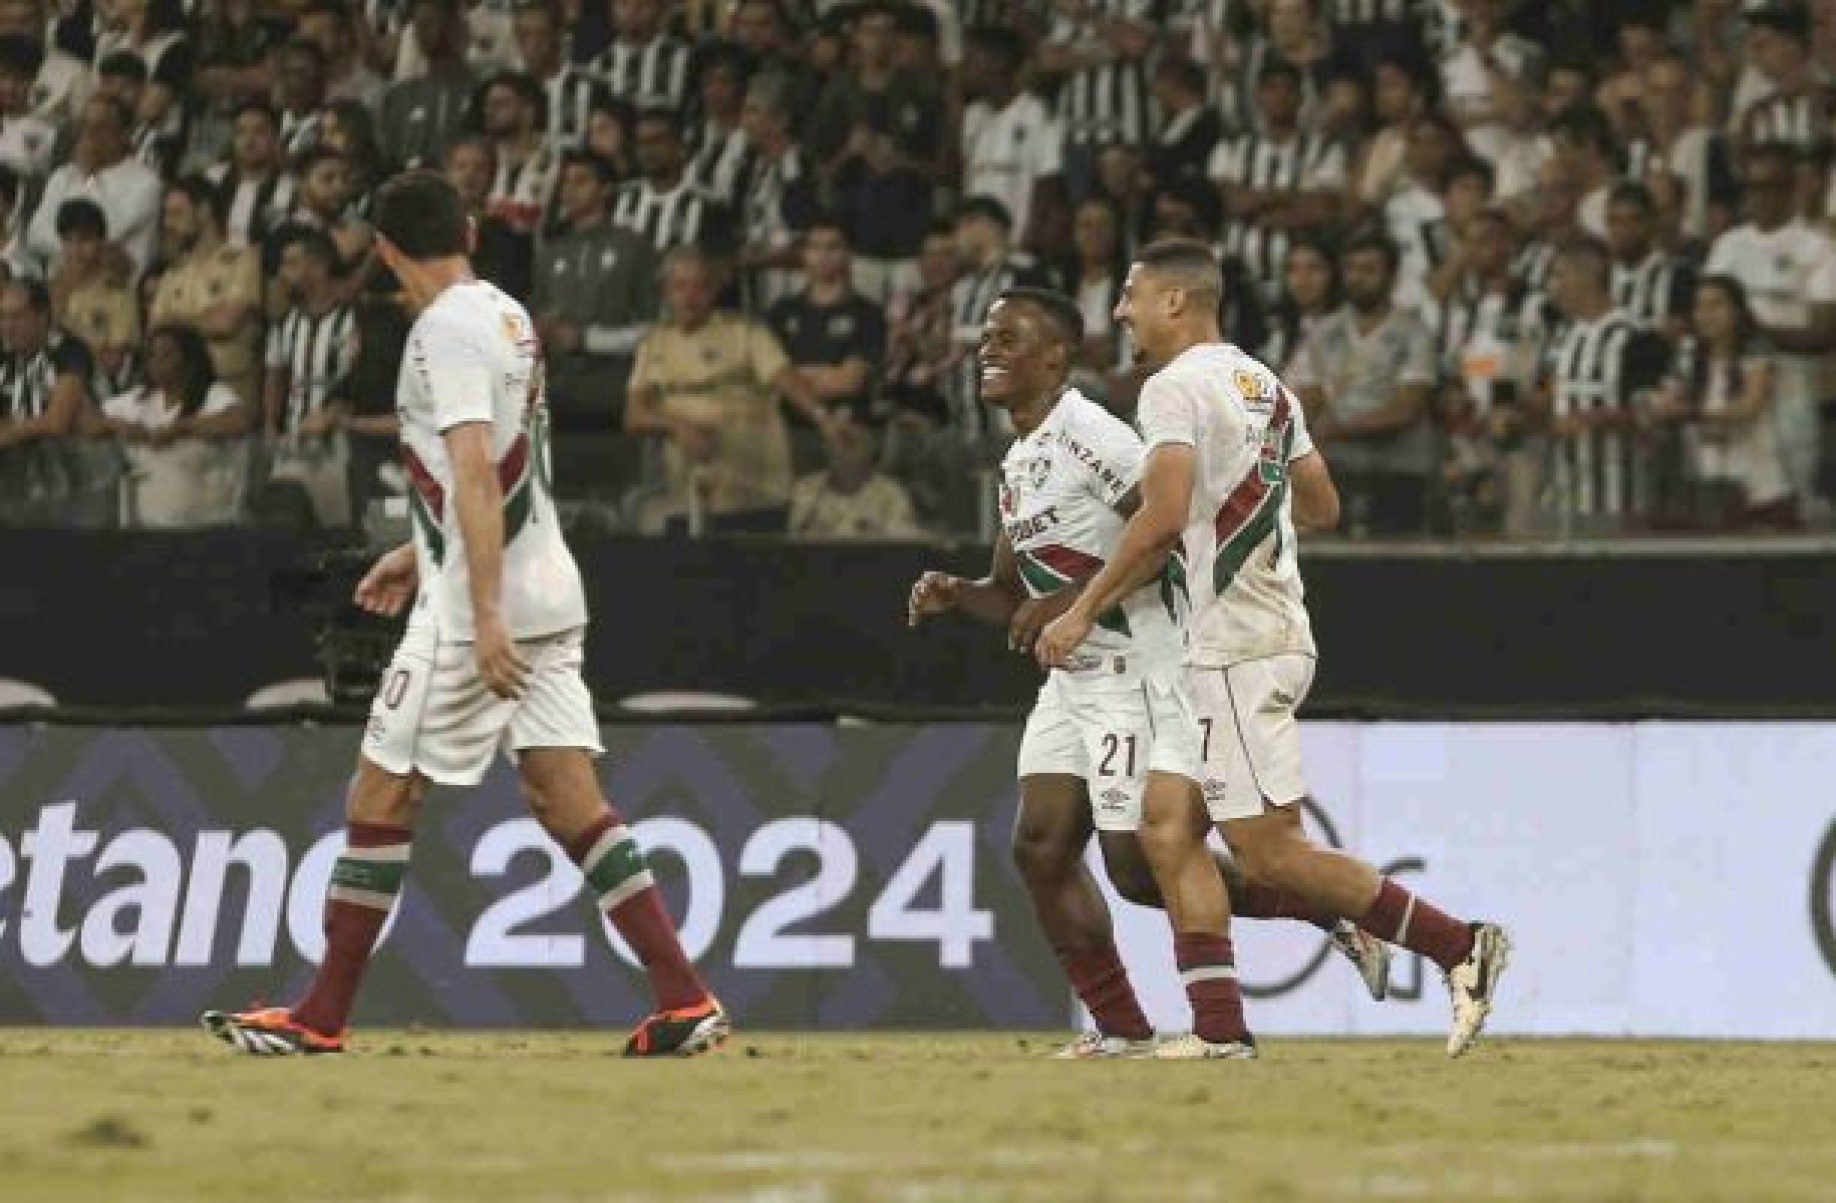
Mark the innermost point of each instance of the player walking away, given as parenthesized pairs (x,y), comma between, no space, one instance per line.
(1113,723)
(492,653)
(1229,465)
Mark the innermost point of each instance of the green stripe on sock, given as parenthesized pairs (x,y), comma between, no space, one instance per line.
(615,867)
(370,876)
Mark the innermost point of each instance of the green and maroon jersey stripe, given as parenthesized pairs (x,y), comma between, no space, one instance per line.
(1266,519)
(1241,504)
(1050,568)
(427,501)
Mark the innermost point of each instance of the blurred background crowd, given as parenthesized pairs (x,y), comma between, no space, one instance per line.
(1535,269)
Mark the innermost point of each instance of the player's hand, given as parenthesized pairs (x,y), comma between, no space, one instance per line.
(1062,636)
(934,593)
(503,669)
(1033,616)
(390,584)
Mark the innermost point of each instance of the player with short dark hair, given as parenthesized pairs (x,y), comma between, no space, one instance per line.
(1229,468)
(493,652)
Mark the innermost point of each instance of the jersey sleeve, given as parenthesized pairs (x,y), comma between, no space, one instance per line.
(1168,411)
(455,369)
(1116,455)
(1302,446)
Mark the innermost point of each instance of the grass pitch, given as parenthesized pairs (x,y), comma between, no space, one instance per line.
(790,1119)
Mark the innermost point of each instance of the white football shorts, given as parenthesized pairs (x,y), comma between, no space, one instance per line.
(1113,738)
(434,715)
(1251,749)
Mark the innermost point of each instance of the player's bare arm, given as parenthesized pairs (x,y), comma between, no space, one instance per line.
(390,584)
(1148,537)
(993,599)
(1316,497)
(479,501)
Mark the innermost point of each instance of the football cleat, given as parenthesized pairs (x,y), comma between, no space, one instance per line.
(1096,1045)
(1369,955)
(1191,1047)
(1470,985)
(269,1032)
(681,1033)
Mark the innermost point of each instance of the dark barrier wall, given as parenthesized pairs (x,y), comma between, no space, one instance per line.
(824,877)
(190,620)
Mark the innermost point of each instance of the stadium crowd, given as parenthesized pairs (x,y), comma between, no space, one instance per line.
(1532,267)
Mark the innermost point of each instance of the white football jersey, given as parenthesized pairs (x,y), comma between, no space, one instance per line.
(1246,427)
(473,356)
(1059,489)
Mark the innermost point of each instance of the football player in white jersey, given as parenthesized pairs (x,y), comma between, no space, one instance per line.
(1229,466)
(1112,723)
(492,655)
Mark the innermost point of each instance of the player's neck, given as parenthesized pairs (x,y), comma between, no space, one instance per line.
(1197,336)
(425,281)
(1031,414)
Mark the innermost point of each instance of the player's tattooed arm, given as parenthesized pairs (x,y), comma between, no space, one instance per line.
(992,599)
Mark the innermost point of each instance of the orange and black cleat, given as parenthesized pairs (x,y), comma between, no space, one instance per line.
(681,1033)
(269,1032)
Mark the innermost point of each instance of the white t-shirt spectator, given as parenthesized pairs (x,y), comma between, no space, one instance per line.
(128,194)
(1007,151)
(185,483)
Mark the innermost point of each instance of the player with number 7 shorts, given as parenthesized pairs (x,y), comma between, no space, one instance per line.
(1112,723)
(493,650)
(1229,464)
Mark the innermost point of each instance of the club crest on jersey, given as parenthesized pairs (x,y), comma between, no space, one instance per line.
(1250,384)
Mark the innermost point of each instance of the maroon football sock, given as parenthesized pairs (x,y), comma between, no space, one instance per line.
(620,879)
(364,886)
(1418,925)
(1208,968)
(1102,985)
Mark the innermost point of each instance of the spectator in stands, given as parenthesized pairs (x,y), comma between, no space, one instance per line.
(27,143)
(834,335)
(920,347)
(1415,215)
(511,111)
(878,134)
(328,25)
(595,294)
(1599,381)
(1310,291)
(503,255)
(1093,278)
(350,129)
(124,76)
(43,390)
(181,434)
(710,383)
(88,265)
(1183,145)
(1012,146)
(211,286)
(1552,220)
(1722,387)
(300,92)
(310,349)
(609,135)
(777,194)
(63,81)
(1674,143)
(1797,106)
(721,152)
(1482,78)
(1364,376)
(664,205)
(255,181)
(851,498)
(101,169)
(569,90)
(1400,90)
(365,396)
(1276,180)
(420,115)
(1651,286)
(325,204)
(644,66)
(155,32)
(1097,54)
(1788,269)
(990,266)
